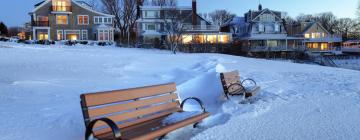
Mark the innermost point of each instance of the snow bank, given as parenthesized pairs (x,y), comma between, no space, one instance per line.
(207,87)
(40,88)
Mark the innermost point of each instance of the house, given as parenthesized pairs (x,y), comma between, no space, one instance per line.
(262,30)
(70,20)
(150,26)
(316,37)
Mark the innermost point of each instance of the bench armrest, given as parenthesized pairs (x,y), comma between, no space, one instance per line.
(251,80)
(113,126)
(196,99)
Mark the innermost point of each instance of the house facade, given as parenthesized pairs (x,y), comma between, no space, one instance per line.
(70,20)
(151,26)
(262,30)
(316,37)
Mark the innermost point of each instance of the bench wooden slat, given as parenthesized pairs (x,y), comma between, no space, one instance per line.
(231,75)
(145,131)
(138,121)
(140,112)
(167,129)
(131,105)
(102,98)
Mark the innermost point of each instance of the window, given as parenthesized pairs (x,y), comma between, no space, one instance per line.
(61,19)
(324,46)
(277,28)
(42,36)
(102,20)
(307,35)
(60,35)
(106,35)
(72,34)
(151,14)
(261,27)
(267,18)
(150,27)
(84,35)
(83,20)
(272,43)
(42,18)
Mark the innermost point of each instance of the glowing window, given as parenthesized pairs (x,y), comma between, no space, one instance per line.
(61,19)
(187,39)
(83,20)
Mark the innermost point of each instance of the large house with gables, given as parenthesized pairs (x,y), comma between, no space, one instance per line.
(150,26)
(70,20)
(316,37)
(262,30)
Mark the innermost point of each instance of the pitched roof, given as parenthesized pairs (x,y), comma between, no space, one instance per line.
(311,25)
(43,3)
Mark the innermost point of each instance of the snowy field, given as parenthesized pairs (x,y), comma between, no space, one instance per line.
(348,63)
(40,88)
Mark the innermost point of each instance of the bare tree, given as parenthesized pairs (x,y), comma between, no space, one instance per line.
(174,28)
(163,2)
(305,18)
(219,17)
(347,27)
(327,20)
(125,12)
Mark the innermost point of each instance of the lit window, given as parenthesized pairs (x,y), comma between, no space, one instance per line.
(61,19)
(211,39)
(224,39)
(83,20)
(307,35)
(187,39)
(324,46)
(60,35)
(43,36)
(72,34)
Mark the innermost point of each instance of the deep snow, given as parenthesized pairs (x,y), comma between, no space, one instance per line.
(40,88)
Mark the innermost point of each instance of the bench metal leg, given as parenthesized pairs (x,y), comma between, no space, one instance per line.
(162,137)
(196,124)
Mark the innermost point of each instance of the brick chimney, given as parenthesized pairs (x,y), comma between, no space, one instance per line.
(194,12)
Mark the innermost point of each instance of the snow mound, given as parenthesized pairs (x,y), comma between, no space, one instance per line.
(206,87)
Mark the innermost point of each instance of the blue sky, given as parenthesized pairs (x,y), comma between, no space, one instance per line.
(15,12)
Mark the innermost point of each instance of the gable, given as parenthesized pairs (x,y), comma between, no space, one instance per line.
(44,7)
(315,28)
(268,12)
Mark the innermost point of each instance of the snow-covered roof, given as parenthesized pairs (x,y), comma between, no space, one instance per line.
(103,26)
(235,21)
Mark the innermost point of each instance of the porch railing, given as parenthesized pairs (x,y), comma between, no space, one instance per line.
(273,49)
(201,28)
(40,23)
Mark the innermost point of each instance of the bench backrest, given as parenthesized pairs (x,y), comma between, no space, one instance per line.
(228,79)
(130,106)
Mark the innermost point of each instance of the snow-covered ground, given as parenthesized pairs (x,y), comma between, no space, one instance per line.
(348,63)
(40,88)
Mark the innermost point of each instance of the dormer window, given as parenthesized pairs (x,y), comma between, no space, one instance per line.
(61,5)
(267,18)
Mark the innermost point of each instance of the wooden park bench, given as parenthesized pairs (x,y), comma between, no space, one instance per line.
(136,113)
(233,86)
